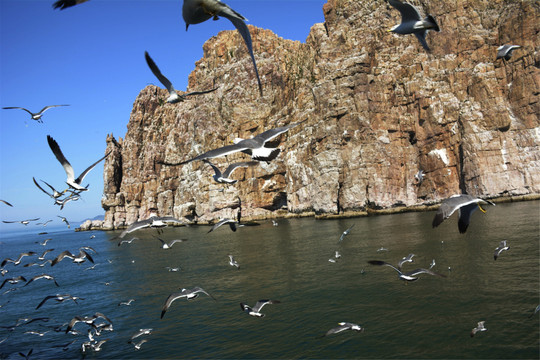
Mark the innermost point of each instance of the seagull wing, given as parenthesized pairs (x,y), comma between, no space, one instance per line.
(44,300)
(222,151)
(421,36)
(230,169)
(384,263)
(259,305)
(18,107)
(214,167)
(48,107)
(197,289)
(40,188)
(157,73)
(338,329)
(63,4)
(83,174)
(61,158)
(199,92)
(423,271)
(5,202)
(219,223)
(170,300)
(408,12)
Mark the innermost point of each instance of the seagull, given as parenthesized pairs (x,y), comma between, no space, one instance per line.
(35,116)
(274,223)
(59,298)
(5,202)
(80,258)
(172,269)
(382,249)
(128,241)
(87,320)
(412,23)
(55,194)
(419,177)
(189,294)
(224,178)
(198,11)
(432,264)
(233,224)
(344,326)
(71,181)
(499,249)
(153,222)
(24,222)
(410,276)
(506,51)
(36,332)
(345,233)
(44,242)
(27,355)
(479,327)
(127,303)
(233,262)
(18,261)
(254,147)
(63,4)
(44,223)
(138,345)
(536,310)
(255,311)
(166,246)
(42,276)
(405,259)
(42,256)
(64,220)
(173,95)
(465,204)
(13,280)
(141,332)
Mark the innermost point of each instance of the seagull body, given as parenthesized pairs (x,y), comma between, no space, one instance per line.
(168,245)
(127,241)
(224,178)
(71,181)
(345,233)
(189,294)
(405,259)
(432,264)
(81,257)
(42,276)
(42,257)
(18,261)
(419,177)
(499,249)
(198,11)
(127,303)
(13,280)
(506,51)
(344,326)
(138,345)
(465,204)
(64,220)
(24,222)
(35,116)
(86,319)
(59,298)
(63,4)
(256,310)
(410,276)
(275,223)
(233,262)
(479,327)
(153,222)
(141,332)
(233,224)
(412,23)
(173,95)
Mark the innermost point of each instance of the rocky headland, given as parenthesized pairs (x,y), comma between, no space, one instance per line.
(377,109)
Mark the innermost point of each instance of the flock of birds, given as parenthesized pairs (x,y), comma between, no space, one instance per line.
(259,148)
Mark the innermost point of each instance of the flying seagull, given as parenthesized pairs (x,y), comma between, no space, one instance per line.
(127,241)
(256,310)
(223,178)
(412,23)
(13,280)
(410,276)
(254,147)
(63,4)
(141,332)
(506,51)
(499,249)
(419,177)
(43,276)
(35,116)
(168,245)
(24,222)
(405,259)
(71,181)
(536,310)
(127,303)
(55,194)
(138,345)
(153,222)
(173,95)
(479,327)
(345,233)
(233,224)
(81,257)
(18,261)
(233,262)
(5,202)
(59,298)
(189,294)
(64,220)
(344,326)
(465,204)
(198,11)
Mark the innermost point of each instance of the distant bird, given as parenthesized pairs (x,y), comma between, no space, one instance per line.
(233,262)
(35,116)
(172,269)
(198,11)
(419,177)
(256,310)
(506,51)
(91,267)
(168,245)
(432,264)
(27,355)
(405,259)
(24,222)
(254,147)
(409,276)
(274,223)
(127,241)
(13,280)
(79,258)
(126,303)
(44,242)
(337,255)
(138,345)
(536,310)
(224,178)
(233,224)
(382,249)
(412,23)
(42,276)
(36,332)
(345,233)
(173,95)
(55,194)
(344,326)
(71,181)
(59,298)
(141,332)
(63,4)
(87,320)
(42,256)
(18,261)
(5,202)
(479,327)
(153,222)
(44,223)
(465,204)
(189,294)
(499,249)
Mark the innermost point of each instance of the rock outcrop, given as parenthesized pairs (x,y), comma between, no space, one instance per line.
(377,107)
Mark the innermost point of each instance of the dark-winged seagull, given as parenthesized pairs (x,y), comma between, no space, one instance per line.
(59,298)
(465,204)
(152,222)
(256,310)
(13,280)
(505,51)
(345,233)
(18,261)
(63,4)
(409,276)
(233,224)
(80,258)
(412,23)
(64,220)
(198,11)
(35,116)
(55,194)
(344,326)
(479,327)
(42,276)
(71,181)
(254,147)
(189,294)
(224,178)
(499,249)
(24,222)
(141,332)
(166,246)
(173,95)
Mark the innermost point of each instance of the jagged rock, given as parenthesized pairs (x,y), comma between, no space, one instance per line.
(378,109)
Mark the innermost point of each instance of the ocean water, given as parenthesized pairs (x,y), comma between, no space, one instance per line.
(428,318)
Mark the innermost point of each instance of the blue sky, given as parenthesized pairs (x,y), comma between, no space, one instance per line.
(91,57)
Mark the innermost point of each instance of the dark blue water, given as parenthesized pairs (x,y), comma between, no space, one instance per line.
(429,318)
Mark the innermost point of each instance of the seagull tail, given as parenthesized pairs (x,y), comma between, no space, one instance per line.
(433,24)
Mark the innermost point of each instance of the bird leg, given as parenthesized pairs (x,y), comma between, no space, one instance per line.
(482,210)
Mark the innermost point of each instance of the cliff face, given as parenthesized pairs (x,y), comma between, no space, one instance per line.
(377,107)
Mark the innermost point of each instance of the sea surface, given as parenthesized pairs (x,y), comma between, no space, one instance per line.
(429,318)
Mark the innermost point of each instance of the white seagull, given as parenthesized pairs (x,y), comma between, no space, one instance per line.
(71,181)
(479,327)
(499,249)
(223,178)
(24,222)
(168,245)
(345,233)
(410,276)
(344,326)
(35,116)
(153,222)
(256,310)
(465,204)
(505,51)
(233,262)
(189,294)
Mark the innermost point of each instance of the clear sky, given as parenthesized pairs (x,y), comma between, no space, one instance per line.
(91,57)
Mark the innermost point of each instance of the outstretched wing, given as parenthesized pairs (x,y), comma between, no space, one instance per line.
(157,73)
(61,158)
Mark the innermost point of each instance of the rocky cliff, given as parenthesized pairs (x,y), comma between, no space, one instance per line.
(378,108)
